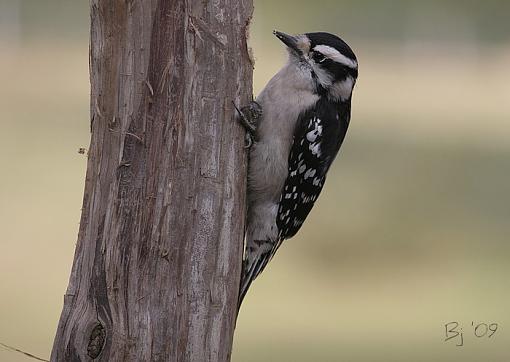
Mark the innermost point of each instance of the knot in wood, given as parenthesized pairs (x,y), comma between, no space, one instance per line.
(96,341)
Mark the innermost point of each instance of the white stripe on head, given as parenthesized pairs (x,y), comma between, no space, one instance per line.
(342,89)
(335,55)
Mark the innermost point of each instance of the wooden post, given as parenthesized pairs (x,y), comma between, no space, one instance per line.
(157,264)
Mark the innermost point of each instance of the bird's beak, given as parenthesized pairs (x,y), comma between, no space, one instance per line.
(288,40)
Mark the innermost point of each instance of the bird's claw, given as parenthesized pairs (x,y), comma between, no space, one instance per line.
(248,140)
(248,117)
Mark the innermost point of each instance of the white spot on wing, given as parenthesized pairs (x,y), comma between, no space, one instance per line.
(316,149)
(311,136)
(309,173)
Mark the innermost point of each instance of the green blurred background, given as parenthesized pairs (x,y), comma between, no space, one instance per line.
(412,230)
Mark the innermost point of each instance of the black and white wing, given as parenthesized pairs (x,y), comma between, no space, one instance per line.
(317,139)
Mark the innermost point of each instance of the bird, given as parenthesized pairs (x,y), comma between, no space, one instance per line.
(295,128)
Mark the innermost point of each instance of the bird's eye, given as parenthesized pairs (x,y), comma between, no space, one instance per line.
(318,57)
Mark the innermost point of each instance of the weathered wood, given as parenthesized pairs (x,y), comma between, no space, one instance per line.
(157,264)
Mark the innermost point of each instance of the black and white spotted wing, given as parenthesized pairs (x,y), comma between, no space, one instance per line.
(317,139)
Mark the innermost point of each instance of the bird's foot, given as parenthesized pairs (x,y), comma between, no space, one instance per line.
(249,117)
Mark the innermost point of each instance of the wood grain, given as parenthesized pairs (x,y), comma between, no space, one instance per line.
(157,263)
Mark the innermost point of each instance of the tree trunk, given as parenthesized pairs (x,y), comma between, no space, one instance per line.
(157,264)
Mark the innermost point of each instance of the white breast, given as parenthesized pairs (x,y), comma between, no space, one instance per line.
(288,93)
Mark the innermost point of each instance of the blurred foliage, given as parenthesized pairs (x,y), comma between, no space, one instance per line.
(393,20)
(410,232)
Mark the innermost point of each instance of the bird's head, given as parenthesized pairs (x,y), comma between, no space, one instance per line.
(324,58)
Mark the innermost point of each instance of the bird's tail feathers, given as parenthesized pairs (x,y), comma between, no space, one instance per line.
(253,265)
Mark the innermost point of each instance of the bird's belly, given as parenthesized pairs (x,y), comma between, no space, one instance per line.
(267,171)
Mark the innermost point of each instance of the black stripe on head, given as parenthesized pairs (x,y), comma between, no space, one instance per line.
(339,71)
(322,38)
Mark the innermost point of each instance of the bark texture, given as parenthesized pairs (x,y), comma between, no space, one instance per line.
(157,264)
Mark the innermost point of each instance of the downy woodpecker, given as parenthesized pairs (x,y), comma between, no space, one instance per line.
(298,123)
